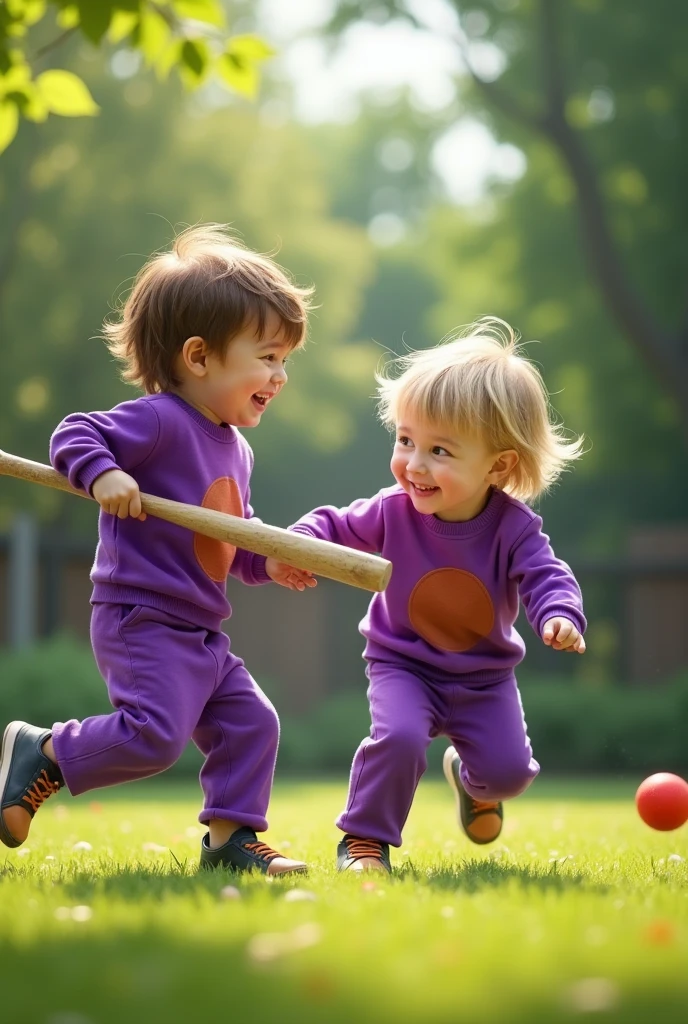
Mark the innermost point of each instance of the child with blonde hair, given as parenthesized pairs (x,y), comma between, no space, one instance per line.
(475,441)
(205,333)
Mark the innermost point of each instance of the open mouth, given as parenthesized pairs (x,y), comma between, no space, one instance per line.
(422,490)
(260,400)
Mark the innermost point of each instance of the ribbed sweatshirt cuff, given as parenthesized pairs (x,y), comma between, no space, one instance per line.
(572,614)
(92,470)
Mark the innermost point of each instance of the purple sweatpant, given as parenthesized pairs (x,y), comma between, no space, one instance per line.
(169,682)
(484,722)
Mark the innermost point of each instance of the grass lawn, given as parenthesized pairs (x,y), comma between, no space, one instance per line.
(578,911)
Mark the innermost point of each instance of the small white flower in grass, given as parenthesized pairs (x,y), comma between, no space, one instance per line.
(82,845)
(50,857)
(272,945)
(266,947)
(81,913)
(299,896)
(675,858)
(592,995)
(230,892)
(447,912)
(284,845)
(306,935)
(596,936)
(23,853)
(154,848)
(67,1018)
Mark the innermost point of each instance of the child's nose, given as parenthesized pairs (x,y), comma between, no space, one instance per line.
(415,462)
(280,375)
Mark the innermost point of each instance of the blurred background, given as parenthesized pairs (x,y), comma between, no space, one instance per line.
(421,163)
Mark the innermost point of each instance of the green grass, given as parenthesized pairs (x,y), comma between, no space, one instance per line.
(576,912)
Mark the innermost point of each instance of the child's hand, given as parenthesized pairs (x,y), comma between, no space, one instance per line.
(561,635)
(288,575)
(118,494)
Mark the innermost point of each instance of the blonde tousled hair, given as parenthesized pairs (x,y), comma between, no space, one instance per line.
(481,384)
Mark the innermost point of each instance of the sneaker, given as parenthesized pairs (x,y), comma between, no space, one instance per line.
(481,820)
(355,854)
(27,778)
(243,851)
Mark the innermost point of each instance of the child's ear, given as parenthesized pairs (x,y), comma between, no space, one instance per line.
(194,356)
(502,467)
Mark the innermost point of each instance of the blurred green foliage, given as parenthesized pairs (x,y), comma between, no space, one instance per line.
(187,35)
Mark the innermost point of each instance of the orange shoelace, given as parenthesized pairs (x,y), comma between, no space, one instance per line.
(484,807)
(358,848)
(42,788)
(263,850)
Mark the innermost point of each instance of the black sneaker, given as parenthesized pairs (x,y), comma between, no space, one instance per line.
(27,776)
(243,851)
(352,850)
(481,820)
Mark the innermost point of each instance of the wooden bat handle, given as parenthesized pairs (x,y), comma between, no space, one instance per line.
(336,562)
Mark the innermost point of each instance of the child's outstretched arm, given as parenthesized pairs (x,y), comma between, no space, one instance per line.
(548,590)
(254,569)
(359,525)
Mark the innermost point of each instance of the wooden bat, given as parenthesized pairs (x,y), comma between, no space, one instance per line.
(336,562)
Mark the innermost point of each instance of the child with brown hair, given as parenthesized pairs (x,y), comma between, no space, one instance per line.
(206,333)
(475,441)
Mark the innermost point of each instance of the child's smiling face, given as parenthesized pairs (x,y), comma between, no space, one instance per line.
(238,387)
(446,476)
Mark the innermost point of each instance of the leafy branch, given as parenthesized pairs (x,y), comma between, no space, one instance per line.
(186,36)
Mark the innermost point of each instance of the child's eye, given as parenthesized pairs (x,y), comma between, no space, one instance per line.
(402,439)
(438,450)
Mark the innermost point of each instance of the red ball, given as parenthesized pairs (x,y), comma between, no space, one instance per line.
(662,801)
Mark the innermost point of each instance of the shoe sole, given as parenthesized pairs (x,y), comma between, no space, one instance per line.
(8,741)
(450,756)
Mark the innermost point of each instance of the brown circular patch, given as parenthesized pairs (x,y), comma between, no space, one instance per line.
(451,609)
(215,557)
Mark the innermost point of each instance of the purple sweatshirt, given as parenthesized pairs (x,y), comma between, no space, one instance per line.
(454,594)
(172,451)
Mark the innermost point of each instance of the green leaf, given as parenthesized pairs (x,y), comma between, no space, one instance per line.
(170,56)
(33,106)
(65,94)
(94,18)
(194,62)
(17,78)
(68,17)
(26,11)
(210,12)
(239,74)
(122,25)
(250,47)
(154,33)
(9,122)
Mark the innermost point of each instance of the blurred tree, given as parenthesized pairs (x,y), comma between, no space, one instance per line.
(187,35)
(607,90)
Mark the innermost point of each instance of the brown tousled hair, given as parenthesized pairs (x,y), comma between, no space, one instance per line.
(208,285)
